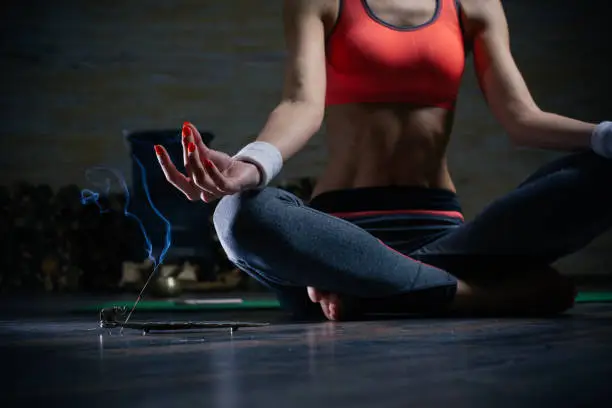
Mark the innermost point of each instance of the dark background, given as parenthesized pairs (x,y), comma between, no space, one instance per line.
(78,74)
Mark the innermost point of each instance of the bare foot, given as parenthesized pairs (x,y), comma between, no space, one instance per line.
(330,303)
(546,292)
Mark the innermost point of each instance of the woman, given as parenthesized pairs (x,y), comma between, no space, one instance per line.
(384,230)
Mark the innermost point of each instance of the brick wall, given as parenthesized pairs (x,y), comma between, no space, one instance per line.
(78,73)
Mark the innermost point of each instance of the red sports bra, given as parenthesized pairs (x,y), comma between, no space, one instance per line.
(369,60)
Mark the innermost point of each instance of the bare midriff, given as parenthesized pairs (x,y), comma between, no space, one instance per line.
(375,145)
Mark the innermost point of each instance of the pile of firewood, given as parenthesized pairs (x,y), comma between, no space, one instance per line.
(52,242)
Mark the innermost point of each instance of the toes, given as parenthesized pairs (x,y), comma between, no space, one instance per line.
(314,295)
(330,302)
(325,307)
(335,307)
(332,307)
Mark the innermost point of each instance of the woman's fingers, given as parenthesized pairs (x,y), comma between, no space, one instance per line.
(198,185)
(223,183)
(191,135)
(224,186)
(185,140)
(204,179)
(220,159)
(198,173)
(208,197)
(196,136)
(175,177)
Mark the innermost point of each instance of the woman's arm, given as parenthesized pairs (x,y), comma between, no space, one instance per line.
(300,113)
(505,90)
(212,174)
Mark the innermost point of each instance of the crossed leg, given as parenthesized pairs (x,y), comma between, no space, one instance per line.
(503,258)
(499,262)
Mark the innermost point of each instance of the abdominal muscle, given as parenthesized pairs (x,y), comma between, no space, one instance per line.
(375,145)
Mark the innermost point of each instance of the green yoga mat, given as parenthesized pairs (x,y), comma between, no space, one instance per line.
(188,305)
(261,304)
(594,297)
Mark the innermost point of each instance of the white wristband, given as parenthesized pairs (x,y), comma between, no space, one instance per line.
(601,140)
(265,156)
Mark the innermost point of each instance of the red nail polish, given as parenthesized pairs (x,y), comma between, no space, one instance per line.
(186,130)
(191,147)
(208,164)
(159,150)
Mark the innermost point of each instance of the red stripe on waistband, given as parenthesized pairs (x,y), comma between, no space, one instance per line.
(451,214)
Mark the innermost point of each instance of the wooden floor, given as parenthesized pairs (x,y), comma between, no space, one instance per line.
(66,361)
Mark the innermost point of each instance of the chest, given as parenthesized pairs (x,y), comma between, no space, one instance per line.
(400,35)
(394,13)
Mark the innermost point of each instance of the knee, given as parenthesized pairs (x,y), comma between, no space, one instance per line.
(233,216)
(240,219)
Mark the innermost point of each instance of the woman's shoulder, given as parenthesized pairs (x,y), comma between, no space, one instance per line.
(480,10)
(320,7)
(326,10)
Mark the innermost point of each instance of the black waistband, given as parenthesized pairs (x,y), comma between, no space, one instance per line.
(386,199)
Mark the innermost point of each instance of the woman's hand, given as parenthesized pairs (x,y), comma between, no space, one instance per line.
(210,174)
